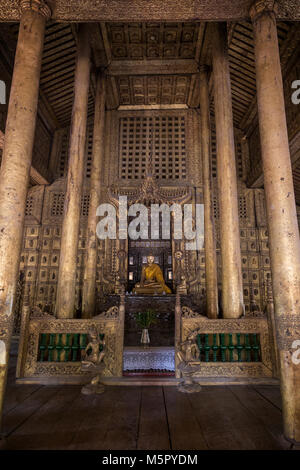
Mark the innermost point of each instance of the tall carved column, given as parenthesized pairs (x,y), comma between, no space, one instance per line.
(281,208)
(65,298)
(89,282)
(209,226)
(16,162)
(232,286)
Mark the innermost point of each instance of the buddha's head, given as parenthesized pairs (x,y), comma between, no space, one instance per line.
(150,259)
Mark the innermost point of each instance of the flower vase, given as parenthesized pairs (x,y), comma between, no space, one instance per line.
(145,339)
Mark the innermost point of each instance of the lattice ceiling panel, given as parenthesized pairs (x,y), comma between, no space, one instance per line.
(153,90)
(139,41)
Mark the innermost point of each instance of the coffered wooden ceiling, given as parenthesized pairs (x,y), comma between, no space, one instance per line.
(148,41)
(152,65)
(149,64)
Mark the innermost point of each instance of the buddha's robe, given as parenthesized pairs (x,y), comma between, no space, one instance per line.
(152,281)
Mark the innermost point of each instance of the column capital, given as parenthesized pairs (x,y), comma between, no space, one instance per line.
(262,6)
(39,6)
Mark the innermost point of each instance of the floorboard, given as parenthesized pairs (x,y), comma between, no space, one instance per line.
(21,414)
(185,431)
(111,420)
(143,417)
(272,394)
(228,423)
(153,427)
(263,410)
(38,431)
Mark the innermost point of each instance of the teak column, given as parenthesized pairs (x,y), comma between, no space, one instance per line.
(281,209)
(16,162)
(90,266)
(232,287)
(65,298)
(209,225)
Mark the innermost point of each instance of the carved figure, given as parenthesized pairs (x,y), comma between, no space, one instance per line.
(95,356)
(152,279)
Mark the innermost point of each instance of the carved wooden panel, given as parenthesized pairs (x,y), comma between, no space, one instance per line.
(138,41)
(165,135)
(153,90)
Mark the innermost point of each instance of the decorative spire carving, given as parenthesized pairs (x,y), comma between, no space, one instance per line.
(39,6)
(263,6)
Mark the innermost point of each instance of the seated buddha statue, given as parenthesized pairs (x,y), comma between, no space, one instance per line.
(152,280)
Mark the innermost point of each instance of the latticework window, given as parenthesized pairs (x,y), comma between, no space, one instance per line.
(89,149)
(64,155)
(58,200)
(242,207)
(216,207)
(165,135)
(213,152)
(239,160)
(85,202)
(29,205)
(57,204)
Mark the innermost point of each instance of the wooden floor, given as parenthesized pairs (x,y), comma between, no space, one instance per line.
(157,418)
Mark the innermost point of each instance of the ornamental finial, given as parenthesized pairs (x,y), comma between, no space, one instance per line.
(40,6)
(263,6)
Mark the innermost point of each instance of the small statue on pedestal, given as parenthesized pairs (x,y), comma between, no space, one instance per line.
(93,360)
(182,287)
(187,353)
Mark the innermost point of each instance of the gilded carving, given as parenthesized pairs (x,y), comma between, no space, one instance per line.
(259,325)
(263,6)
(187,312)
(40,6)
(111,313)
(109,324)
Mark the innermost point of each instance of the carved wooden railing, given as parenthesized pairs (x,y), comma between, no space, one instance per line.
(226,347)
(53,348)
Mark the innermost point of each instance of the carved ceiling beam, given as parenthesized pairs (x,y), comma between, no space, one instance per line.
(138,107)
(152,10)
(153,67)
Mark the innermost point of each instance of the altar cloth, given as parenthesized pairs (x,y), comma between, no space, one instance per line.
(149,358)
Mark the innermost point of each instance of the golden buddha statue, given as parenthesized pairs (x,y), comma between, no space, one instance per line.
(152,280)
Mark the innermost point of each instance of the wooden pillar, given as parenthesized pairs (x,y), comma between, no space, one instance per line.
(232,286)
(16,162)
(209,225)
(65,298)
(90,267)
(281,209)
